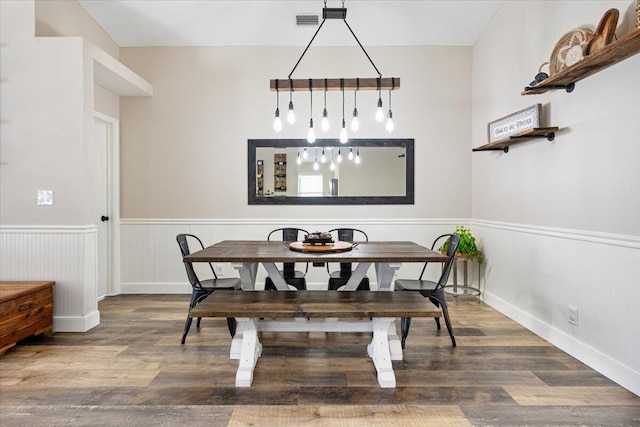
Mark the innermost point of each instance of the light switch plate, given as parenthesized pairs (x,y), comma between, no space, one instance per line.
(45,197)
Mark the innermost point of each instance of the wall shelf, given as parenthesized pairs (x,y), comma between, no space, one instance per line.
(503,144)
(613,53)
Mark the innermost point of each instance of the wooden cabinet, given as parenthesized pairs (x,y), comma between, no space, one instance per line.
(26,308)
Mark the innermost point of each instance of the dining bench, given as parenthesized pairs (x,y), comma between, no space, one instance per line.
(373,311)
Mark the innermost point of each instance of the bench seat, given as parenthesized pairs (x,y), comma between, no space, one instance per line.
(375,311)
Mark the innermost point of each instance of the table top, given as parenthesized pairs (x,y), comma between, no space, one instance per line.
(315,304)
(236,251)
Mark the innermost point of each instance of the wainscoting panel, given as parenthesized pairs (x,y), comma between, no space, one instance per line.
(533,275)
(65,254)
(151,261)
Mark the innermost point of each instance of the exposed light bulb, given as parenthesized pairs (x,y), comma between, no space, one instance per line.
(339,158)
(389,122)
(350,156)
(277,123)
(305,154)
(323,158)
(299,159)
(343,133)
(332,166)
(379,112)
(291,116)
(355,124)
(324,124)
(316,166)
(311,135)
(357,159)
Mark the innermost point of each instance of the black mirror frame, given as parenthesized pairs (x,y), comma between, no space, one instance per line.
(407,199)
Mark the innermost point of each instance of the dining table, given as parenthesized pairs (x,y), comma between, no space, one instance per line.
(387,257)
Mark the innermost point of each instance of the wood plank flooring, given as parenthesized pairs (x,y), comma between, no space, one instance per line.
(132,371)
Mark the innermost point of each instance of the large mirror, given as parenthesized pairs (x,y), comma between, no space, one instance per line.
(362,171)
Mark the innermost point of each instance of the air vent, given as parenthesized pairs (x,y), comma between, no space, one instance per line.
(306,20)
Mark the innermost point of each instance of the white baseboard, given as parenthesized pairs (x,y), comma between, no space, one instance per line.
(76,324)
(617,372)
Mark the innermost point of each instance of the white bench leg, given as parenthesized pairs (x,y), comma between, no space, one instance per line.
(379,352)
(395,346)
(250,351)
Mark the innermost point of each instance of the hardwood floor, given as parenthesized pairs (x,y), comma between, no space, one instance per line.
(132,370)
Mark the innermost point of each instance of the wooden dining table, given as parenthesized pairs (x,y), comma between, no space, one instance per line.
(246,255)
(386,256)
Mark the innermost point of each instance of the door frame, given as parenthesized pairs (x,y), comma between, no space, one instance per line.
(114,286)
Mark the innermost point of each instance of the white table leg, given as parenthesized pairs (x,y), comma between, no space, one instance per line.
(248,272)
(249,353)
(384,274)
(356,277)
(276,276)
(378,350)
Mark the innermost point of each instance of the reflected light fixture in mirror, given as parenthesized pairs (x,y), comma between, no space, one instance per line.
(385,174)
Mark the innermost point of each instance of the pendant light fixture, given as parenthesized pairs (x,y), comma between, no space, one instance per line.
(339,157)
(357,159)
(355,125)
(299,159)
(291,116)
(332,166)
(323,158)
(333,84)
(304,153)
(325,117)
(277,123)
(311,135)
(343,130)
(389,125)
(379,111)
(350,156)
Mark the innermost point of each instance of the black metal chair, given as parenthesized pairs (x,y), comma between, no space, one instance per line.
(340,277)
(432,290)
(201,289)
(293,277)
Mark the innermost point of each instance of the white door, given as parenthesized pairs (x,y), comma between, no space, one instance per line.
(102,136)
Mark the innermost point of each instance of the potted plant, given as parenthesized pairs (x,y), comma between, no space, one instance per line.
(467,245)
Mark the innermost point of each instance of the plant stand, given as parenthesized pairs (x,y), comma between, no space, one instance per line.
(465,288)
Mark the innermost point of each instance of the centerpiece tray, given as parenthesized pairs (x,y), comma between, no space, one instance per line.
(329,247)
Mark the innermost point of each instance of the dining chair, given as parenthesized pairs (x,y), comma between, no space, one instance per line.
(339,278)
(201,289)
(430,289)
(293,277)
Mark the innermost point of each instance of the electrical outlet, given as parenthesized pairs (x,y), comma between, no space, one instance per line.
(45,197)
(573,315)
(219,270)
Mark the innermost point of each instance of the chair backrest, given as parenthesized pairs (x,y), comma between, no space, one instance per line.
(289,234)
(454,240)
(183,243)
(347,235)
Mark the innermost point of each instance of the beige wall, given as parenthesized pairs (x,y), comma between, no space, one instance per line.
(184,151)
(60,18)
(587,179)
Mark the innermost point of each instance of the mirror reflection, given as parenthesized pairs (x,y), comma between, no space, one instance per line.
(363,171)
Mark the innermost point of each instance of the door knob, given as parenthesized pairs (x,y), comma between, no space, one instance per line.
(104,218)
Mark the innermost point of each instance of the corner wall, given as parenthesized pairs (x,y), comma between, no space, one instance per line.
(560,222)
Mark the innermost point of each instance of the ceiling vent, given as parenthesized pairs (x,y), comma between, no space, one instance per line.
(306,20)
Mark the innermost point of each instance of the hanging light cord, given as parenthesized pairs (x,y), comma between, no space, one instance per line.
(352,33)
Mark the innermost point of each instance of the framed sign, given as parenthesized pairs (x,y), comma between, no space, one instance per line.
(526,119)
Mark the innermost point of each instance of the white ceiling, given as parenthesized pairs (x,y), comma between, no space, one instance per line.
(133,23)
